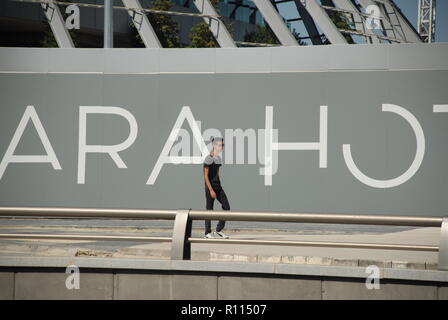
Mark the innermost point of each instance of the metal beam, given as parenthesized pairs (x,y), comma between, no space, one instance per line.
(359,20)
(142,24)
(82,237)
(309,24)
(108,24)
(389,13)
(326,4)
(57,25)
(217,27)
(389,30)
(409,33)
(327,244)
(426,25)
(169,214)
(322,19)
(276,22)
(329,3)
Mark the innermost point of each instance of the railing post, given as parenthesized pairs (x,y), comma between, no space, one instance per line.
(180,246)
(443,246)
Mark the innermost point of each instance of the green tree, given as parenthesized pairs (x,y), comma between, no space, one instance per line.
(166,29)
(261,34)
(200,35)
(137,40)
(264,34)
(49,41)
(297,36)
(341,22)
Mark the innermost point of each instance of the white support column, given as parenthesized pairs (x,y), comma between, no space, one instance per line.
(219,30)
(358,19)
(388,11)
(108,35)
(322,19)
(409,34)
(57,25)
(141,23)
(389,30)
(276,22)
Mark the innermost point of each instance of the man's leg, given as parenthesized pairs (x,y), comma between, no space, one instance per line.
(222,198)
(209,206)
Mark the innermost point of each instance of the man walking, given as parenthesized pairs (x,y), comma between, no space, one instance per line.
(213,188)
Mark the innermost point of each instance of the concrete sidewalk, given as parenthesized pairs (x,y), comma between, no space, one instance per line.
(240,253)
(311,255)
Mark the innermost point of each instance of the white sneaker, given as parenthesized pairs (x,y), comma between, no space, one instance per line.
(209,236)
(221,235)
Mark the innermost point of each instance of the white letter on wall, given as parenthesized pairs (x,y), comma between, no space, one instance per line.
(440,108)
(9,157)
(112,150)
(165,157)
(420,152)
(272,146)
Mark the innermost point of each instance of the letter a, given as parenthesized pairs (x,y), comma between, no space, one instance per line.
(10,157)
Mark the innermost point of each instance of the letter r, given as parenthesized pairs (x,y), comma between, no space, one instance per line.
(112,150)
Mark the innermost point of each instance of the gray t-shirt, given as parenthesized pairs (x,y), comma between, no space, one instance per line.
(213,163)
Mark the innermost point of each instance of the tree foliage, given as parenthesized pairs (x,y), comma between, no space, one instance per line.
(341,22)
(166,29)
(264,34)
(200,35)
(261,34)
(49,41)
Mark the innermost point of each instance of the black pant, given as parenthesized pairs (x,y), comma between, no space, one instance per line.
(222,198)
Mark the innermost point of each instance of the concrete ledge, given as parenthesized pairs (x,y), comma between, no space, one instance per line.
(222,267)
(163,253)
(51,285)
(338,290)
(112,278)
(166,286)
(381,57)
(6,285)
(234,287)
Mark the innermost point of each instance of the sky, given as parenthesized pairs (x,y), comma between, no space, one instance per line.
(408,7)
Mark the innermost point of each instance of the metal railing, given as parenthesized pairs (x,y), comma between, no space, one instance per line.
(181,240)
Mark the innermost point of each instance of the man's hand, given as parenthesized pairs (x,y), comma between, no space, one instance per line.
(213,194)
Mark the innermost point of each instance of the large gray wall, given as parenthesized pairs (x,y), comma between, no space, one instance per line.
(230,88)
